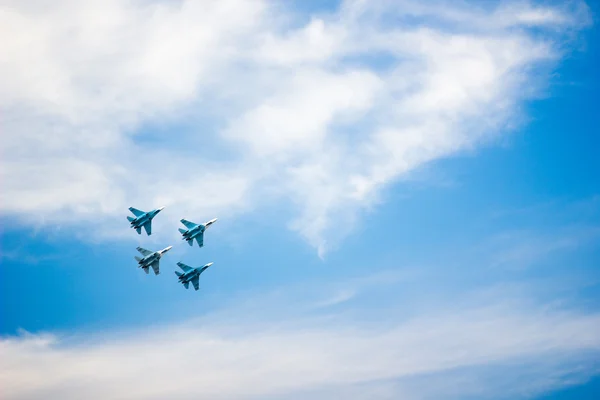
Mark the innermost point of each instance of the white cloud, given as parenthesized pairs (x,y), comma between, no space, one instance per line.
(109,105)
(543,348)
(297,118)
(339,297)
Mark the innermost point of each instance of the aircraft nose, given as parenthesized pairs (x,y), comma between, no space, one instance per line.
(209,264)
(166,249)
(161,208)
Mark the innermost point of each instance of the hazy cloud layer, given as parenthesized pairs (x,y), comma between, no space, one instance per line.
(454,353)
(240,103)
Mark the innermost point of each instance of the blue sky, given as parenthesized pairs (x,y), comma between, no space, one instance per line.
(408,200)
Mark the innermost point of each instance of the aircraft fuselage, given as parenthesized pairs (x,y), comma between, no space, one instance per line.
(187,276)
(191,274)
(197,230)
(142,219)
(150,258)
(192,233)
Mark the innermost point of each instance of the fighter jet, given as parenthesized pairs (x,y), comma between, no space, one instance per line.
(190,274)
(142,219)
(195,231)
(150,259)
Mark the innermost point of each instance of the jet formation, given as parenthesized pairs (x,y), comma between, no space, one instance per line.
(151,259)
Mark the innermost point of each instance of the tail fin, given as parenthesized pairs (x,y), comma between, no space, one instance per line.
(182,230)
(138,259)
(131,219)
(178,273)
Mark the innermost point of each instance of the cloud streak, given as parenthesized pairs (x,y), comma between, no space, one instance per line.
(320,356)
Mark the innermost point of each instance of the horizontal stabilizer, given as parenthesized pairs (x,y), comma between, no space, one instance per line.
(148,227)
(178,273)
(186,284)
(139,230)
(191,242)
(138,259)
(182,230)
(131,219)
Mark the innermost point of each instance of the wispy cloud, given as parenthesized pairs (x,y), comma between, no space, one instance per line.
(290,357)
(522,249)
(24,257)
(338,297)
(210,107)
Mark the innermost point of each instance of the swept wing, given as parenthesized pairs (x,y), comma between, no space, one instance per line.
(188,224)
(155,267)
(136,212)
(184,267)
(144,251)
(195,282)
(199,239)
(148,227)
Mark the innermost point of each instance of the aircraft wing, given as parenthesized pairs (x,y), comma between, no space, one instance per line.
(155,267)
(148,227)
(136,212)
(188,224)
(144,251)
(200,239)
(196,282)
(184,267)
